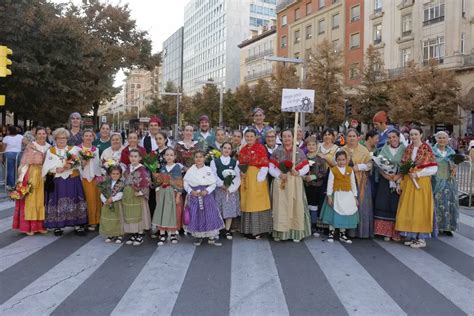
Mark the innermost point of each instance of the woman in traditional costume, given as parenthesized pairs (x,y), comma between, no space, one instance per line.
(169,199)
(185,149)
(65,201)
(291,219)
(255,206)
(387,197)
(90,169)
(205,220)
(227,193)
(111,215)
(360,162)
(135,199)
(445,188)
(327,149)
(115,150)
(132,144)
(30,212)
(415,213)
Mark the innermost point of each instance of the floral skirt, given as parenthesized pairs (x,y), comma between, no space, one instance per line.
(228,203)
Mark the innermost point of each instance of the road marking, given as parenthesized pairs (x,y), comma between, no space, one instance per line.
(255,284)
(461,243)
(466,220)
(355,287)
(161,279)
(6,224)
(6,205)
(454,286)
(43,295)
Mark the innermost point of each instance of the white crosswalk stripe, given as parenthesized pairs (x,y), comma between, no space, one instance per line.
(461,243)
(255,285)
(6,224)
(161,279)
(456,287)
(358,291)
(43,295)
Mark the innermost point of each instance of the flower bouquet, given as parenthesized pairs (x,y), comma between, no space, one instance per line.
(150,161)
(211,155)
(229,176)
(163,180)
(86,154)
(104,186)
(385,165)
(20,191)
(72,160)
(108,163)
(407,168)
(285,167)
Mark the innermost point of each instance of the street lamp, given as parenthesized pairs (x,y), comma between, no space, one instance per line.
(220,84)
(285,60)
(177,94)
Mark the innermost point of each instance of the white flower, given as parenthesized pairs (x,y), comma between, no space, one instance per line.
(311,162)
(228,172)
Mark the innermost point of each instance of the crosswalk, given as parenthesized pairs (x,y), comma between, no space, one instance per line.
(71,275)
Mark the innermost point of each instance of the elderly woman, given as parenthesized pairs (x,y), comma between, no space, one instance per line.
(103,142)
(65,201)
(90,169)
(132,144)
(254,196)
(386,199)
(291,218)
(445,189)
(115,150)
(185,148)
(29,211)
(75,135)
(360,161)
(270,142)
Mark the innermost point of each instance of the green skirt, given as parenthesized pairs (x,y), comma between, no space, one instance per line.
(165,211)
(111,220)
(132,206)
(331,217)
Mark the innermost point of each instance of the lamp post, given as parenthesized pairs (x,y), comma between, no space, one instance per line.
(177,94)
(285,60)
(220,84)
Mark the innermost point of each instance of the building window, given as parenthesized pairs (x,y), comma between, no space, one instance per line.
(297,55)
(377,6)
(297,14)
(406,56)
(321,26)
(377,34)
(284,20)
(354,71)
(433,12)
(463,39)
(463,8)
(297,36)
(307,54)
(433,49)
(309,8)
(335,21)
(355,40)
(309,31)
(284,41)
(355,13)
(406,24)
(321,4)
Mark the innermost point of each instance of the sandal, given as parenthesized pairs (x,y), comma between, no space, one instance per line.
(138,240)
(331,236)
(131,239)
(58,232)
(79,230)
(343,237)
(109,239)
(118,240)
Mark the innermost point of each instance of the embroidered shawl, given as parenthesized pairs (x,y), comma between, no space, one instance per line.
(126,152)
(424,156)
(138,178)
(394,159)
(254,155)
(281,154)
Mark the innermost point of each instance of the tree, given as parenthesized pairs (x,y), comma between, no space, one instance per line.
(324,75)
(283,77)
(233,113)
(372,94)
(166,106)
(245,103)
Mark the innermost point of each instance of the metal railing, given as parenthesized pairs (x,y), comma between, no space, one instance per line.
(464,178)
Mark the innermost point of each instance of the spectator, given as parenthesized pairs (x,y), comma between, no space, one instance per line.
(12,147)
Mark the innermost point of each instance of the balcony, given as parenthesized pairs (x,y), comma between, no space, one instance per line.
(377,14)
(468,60)
(406,33)
(258,75)
(405,4)
(433,21)
(377,41)
(260,55)
(395,72)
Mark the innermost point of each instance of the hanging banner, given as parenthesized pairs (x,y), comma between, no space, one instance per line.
(297,100)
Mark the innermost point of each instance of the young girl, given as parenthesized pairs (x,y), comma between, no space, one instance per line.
(314,183)
(204,218)
(169,203)
(227,197)
(341,209)
(111,213)
(135,199)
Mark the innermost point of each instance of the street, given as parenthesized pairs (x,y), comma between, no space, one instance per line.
(72,275)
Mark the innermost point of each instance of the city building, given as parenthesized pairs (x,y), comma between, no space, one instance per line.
(408,30)
(213,29)
(253,65)
(138,89)
(172,56)
(302,24)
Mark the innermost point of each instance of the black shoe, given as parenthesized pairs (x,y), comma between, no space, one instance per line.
(331,236)
(228,235)
(80,231)
(58,232)
(448,233)
(343,237)
(174,239)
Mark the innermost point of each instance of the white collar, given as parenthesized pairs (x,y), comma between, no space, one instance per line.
(133,168)
(225,160)
(169,168)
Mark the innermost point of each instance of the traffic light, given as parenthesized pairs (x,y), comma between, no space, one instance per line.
(5,61)
(347,108)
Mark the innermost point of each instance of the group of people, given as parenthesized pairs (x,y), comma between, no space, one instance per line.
(210,185)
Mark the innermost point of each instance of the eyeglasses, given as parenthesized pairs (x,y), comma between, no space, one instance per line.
(270,136)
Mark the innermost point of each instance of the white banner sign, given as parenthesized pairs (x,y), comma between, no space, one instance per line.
(297,100)
(103,119)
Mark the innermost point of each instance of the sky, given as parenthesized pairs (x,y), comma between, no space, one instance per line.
(160,18)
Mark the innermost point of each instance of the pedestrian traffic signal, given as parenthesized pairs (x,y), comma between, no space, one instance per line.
(2,100)
(5,61)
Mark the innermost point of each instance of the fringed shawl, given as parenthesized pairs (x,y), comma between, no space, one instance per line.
(254,155)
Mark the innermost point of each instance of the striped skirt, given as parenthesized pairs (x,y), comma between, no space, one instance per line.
(204,217)
(256,223)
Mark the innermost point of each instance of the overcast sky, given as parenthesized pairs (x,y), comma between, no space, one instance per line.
(160,18)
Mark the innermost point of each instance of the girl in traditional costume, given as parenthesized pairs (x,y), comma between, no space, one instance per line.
(65,201)
(111,215)
(30,211)
(291,219)
(445,188)
(227,173)
(90,169)
(341,210)
(255,206)
(205,220)
(185,149)
(169,201)
(135,199)
(415,213)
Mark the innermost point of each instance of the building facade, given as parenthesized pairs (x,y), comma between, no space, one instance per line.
(138,89)
(172,66)
(212,31)
(253,65)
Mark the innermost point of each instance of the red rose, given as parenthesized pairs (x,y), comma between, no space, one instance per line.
(288,164)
